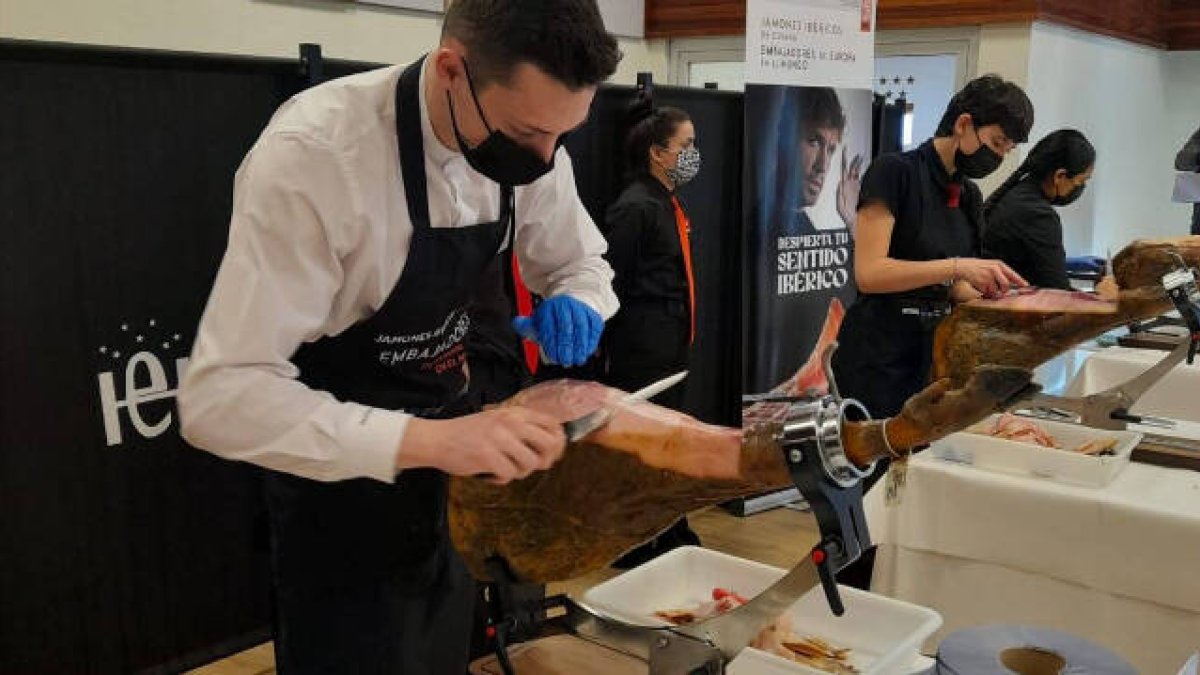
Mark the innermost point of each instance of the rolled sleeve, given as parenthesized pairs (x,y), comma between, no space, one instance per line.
(558,245)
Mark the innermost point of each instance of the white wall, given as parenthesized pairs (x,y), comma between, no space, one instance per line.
(1004,51)
(261,28)
(1137,105)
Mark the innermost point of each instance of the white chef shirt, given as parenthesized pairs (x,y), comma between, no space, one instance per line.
(318,237)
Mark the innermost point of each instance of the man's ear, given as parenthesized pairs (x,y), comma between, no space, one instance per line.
(962,123)
(447,62)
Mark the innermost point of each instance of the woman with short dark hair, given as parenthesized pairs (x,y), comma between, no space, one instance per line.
(1187,161)
(917,247)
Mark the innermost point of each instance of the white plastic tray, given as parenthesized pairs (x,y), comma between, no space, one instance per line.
(884,634)
(1026,459)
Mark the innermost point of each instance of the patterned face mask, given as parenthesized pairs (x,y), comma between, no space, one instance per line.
(687,165)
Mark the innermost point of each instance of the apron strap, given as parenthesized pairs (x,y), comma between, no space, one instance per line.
(411,144)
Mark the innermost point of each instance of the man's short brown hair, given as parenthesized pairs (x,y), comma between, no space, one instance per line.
(566,39)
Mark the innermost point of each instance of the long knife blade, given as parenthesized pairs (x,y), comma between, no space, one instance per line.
(578,428)
(651,390)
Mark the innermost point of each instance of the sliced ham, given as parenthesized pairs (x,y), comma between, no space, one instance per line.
(1013,428)
(1027,330)
(1049,301)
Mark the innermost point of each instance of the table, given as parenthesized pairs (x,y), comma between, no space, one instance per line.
(1119,565)
(1176,396)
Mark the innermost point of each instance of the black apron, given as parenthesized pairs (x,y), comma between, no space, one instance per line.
(495,354)
(885,348)
(365,578)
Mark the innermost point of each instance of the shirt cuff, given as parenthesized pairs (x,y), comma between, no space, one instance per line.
(370,442)
(604,304)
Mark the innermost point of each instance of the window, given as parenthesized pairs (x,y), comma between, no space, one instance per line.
(698,61)
(924,67)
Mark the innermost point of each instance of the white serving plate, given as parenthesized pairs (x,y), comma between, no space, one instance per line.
(1029,459)
(883,633)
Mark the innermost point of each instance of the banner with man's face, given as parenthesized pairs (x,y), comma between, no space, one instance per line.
(808,140)
(806,149)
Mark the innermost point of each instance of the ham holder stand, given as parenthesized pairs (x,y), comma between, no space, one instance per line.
(810,441)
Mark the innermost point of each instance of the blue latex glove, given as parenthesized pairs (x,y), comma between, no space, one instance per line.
(567,330)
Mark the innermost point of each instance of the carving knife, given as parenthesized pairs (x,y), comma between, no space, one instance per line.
(582,426)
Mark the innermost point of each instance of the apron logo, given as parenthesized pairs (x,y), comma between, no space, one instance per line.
(428,346)
(145,380)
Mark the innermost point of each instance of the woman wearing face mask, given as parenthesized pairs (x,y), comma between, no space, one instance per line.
(1022,227)
(648,247)
(917,250)
(918,244)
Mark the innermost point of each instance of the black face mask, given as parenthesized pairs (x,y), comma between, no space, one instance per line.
(498,157)
(980,163)
(1070,197)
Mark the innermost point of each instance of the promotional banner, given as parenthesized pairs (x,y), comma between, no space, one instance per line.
(808,43)
(809,66)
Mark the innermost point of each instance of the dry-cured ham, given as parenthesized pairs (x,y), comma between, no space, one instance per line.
(629,480)
(1025,330)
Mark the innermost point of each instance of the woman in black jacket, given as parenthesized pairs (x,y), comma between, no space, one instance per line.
(648,247)
(1021,225)
(649,250)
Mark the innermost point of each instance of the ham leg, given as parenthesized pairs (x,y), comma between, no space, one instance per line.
(1144,262)
(1027,330)
(629,480)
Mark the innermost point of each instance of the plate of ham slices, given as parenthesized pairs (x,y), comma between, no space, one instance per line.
(876,635)
(1065,453)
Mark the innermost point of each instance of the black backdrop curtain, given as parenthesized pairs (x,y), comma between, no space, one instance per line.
(122,549)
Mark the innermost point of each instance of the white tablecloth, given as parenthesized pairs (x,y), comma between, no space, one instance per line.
(1119,566)
(1176,396)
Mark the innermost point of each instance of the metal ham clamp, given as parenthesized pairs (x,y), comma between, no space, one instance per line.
(810,440)
(1110,409)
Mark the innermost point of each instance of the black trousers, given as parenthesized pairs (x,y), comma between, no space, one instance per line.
(365,579)
(883,356)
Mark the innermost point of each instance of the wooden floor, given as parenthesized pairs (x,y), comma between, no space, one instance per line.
(779,537)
